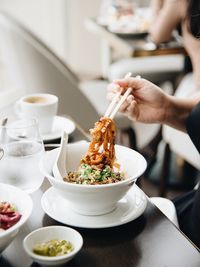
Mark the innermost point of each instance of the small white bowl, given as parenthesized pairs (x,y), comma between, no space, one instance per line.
(93,199)
(24,205)
(45,234)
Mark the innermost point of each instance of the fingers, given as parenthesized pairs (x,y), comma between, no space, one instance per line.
(126,103)
(134,83)
(129,105)
(112,89)
(131,111)
(123,84)
(110,96)
(129,108)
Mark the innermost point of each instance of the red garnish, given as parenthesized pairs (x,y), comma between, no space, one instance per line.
(8,216)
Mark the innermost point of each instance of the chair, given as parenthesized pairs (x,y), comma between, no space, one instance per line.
(35,68)
(157,69)
(177,141)
(167,207)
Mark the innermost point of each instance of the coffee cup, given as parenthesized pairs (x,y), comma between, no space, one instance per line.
(42,107)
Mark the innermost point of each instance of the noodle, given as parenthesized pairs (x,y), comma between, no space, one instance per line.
(101,151)
(97,166)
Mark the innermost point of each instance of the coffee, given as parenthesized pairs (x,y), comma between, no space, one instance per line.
(43,107)
(36,100)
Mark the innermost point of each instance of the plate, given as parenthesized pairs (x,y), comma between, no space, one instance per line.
(136,25)
(126,32)
(130,34)
(59,124)
(128,208)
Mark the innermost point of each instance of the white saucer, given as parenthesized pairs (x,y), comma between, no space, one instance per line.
(128,208)
(59,124)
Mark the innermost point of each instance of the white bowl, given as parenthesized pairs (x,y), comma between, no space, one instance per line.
(93,199)
(24,205)
(48,233)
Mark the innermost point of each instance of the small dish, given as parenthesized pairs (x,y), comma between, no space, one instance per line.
(59,124)
(45,234)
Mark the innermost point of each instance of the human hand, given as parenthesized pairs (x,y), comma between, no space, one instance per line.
(147,103)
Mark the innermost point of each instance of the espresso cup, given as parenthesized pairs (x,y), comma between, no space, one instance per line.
(42,107)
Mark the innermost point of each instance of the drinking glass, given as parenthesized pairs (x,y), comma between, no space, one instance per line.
(21,148)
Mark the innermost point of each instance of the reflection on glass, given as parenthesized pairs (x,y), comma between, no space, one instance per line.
(21,149)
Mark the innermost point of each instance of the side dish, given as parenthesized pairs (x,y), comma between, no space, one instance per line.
(8,215)
(53,247)
(99,165)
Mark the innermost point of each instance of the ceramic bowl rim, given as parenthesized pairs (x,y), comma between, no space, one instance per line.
(24,218)
(66,184)
(52,258)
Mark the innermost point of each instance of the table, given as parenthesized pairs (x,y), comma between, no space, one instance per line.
(138,46)
(149,241)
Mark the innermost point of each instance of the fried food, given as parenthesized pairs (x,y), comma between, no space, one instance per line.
(98,166)
(101,151)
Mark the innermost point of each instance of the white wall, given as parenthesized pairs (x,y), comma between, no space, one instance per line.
(43,17)
(84,47)
(60,24)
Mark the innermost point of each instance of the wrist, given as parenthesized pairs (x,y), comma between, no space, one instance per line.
(176,112)
(168,109)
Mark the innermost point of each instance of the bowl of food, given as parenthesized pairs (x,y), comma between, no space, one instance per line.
(53,245)
(99,173)
(15,209)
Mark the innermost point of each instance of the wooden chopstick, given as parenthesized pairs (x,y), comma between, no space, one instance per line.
(124,97)
(109,113)
(112,104)
(114,101)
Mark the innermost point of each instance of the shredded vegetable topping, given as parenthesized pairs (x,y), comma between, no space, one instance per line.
(90,174)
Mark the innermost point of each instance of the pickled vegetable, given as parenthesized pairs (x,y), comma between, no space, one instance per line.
(53,248)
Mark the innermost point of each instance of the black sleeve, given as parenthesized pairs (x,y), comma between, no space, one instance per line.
(193,126)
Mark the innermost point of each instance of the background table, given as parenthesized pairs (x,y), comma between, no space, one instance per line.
(138,46)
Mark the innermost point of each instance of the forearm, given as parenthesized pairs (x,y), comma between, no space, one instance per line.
(156,6)
(177,111)
(165,21)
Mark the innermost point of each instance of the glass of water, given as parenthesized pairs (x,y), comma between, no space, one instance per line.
(21,148)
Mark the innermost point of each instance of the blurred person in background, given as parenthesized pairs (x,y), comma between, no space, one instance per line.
(167,15)
(182,15)
(150,104)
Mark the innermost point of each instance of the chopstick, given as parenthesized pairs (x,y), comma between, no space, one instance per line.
(112,109)
(112,104)
(124,97)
